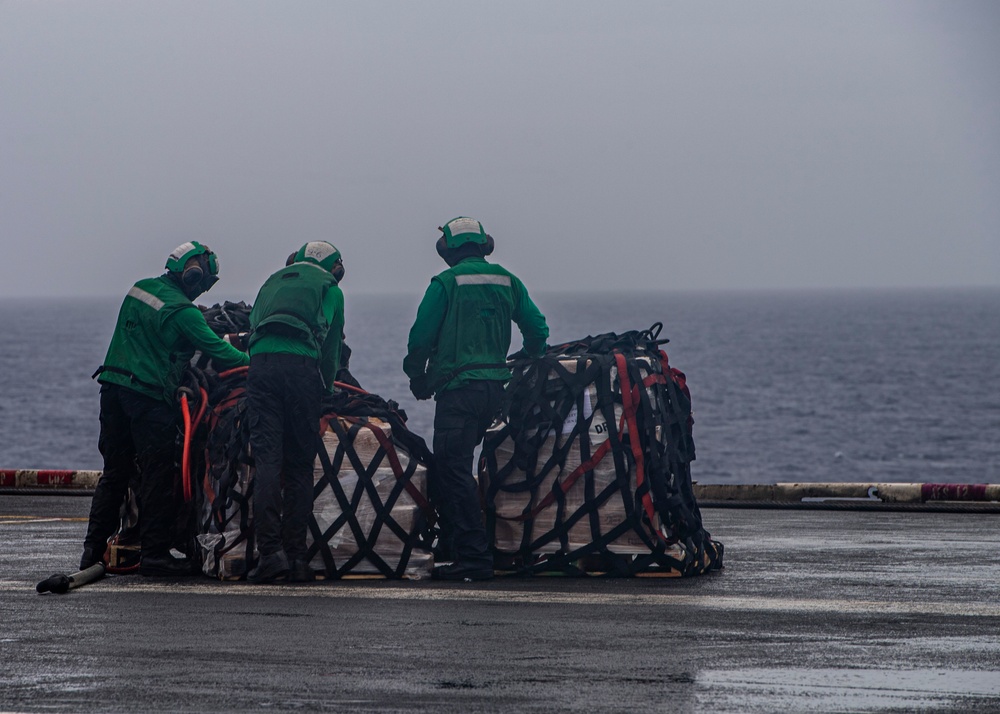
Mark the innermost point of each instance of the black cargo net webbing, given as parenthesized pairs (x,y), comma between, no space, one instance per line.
(595,447)
(226,490)
(366,537)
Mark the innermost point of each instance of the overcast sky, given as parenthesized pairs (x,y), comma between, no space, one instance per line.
(605,145)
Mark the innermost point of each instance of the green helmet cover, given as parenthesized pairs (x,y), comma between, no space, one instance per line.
(462,230)
(321,252)
(180,255)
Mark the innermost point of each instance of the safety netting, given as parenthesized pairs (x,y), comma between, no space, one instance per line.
(588,470)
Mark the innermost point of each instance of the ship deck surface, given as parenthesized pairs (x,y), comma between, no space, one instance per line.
(815,611)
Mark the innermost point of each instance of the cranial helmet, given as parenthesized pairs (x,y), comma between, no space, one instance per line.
(459,233)
(202,273)
(320,252)
(462,230)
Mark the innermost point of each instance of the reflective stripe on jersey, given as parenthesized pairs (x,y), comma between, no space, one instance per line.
(482,279)
(148,298)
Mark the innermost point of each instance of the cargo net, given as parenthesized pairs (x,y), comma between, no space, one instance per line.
(588,470)
(370,512)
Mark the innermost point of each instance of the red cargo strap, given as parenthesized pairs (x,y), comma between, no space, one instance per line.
(630,395)
(567,484)
(655,378)
(676,376)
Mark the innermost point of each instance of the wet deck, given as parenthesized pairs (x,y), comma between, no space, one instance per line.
(816,611)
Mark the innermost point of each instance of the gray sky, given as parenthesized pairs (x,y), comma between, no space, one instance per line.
(605,145)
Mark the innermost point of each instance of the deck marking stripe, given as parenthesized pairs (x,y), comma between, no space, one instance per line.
(418,593)
(17,520)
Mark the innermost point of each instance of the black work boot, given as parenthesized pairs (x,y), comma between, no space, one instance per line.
(462,572)
(165,566)
(91,556)
(300,572)
(269,568)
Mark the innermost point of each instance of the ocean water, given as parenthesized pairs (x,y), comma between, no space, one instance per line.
(787,386)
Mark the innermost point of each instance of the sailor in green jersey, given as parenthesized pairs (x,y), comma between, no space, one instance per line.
(159,328)
(457,350)
(297,324)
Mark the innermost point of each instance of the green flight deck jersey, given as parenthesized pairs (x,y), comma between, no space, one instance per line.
(158,331)
(464,321)
(300,310)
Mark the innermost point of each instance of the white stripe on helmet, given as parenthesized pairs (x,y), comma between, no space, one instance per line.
(465,225)
(181,250)
(318,250)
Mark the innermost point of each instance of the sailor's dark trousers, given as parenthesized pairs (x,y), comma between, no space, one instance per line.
(285,395)
(139,444)
(461,419)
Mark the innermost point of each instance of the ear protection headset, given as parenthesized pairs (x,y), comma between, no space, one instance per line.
(205,269)
(193,273)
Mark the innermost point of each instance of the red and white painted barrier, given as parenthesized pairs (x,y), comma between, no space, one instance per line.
(54,479)
(65,480)
(875,492)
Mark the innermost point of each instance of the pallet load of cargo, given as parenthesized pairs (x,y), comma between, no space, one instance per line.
(588,470)
(370,511)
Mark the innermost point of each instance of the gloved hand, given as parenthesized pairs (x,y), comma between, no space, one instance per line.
(420,388)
